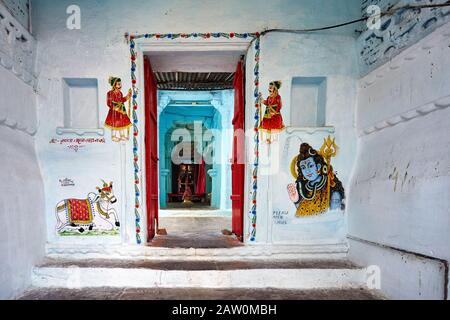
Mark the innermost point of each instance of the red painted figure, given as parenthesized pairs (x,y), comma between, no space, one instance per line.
(273,120)
(118,120)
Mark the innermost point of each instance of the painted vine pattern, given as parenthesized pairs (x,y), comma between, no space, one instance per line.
(137,183)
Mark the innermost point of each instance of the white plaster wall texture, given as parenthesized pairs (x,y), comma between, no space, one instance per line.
(402,275)
(415,79)
(284,57)
(22,243)
(398,31)
(17,47)
(20,10)
(284,226)
(99,50)
(18,111)
(399,190)
(22,193)
(85,166)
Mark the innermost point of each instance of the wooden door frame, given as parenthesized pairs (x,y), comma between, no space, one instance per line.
(146,46)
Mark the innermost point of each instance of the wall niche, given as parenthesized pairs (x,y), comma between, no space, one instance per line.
(81,113)
(308,102)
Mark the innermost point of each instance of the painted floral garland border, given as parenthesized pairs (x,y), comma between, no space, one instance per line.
(256,37)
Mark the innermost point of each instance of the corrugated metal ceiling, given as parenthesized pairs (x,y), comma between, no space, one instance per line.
(194,81)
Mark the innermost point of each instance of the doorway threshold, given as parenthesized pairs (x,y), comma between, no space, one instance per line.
(194,212)
(194,231)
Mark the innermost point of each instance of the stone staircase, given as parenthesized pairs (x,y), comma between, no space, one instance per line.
(246,272)
(281,274)
(204,276)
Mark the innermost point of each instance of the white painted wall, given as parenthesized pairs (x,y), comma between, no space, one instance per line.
(20,9)
(194,61)
(99,50)
(400,188)
(385,206)
(283,57)
(22,238)
(398,31)
(22,193)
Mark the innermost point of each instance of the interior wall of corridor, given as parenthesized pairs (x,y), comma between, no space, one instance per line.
(22,192)
(22,240)
(399,218)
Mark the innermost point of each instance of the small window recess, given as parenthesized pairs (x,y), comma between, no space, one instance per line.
(81,112)
(308,105)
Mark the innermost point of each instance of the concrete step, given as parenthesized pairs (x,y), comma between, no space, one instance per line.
(255,252)
(197,294)
(256,274)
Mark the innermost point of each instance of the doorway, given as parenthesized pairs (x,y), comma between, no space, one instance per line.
(194,182)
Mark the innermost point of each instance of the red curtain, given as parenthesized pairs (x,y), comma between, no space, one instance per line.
(201,178)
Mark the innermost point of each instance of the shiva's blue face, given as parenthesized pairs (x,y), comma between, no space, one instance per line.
(309,169)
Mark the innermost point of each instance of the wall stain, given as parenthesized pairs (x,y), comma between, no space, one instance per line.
(394,176)
(405,179)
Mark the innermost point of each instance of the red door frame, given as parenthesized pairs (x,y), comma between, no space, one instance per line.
(151,149)
(238,159)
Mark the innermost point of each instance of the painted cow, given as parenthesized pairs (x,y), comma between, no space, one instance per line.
(93,213)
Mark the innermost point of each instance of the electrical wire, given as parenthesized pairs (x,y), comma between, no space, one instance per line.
(387,13)
(390,12)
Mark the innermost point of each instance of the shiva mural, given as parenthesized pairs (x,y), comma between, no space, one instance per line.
(272,122)
(91,216)
(118,119)
(317,188)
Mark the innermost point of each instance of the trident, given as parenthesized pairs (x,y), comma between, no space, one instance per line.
(329,150)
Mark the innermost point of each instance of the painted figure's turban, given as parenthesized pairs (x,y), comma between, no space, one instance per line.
(113,80)
(276,84)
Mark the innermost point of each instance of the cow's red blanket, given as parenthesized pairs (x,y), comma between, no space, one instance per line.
(80,211)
